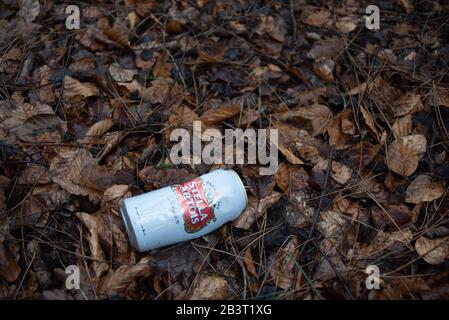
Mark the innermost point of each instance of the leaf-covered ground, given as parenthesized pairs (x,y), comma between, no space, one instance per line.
(85,120)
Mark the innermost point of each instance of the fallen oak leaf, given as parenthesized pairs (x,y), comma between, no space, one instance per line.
(214,116)
(210,287)
(97,130)
(433,251)
(9,267)
(423,189)
(408,104)
(73,88)
(255,209)
(98,264)
(42,128)
(120,74)
(116,281)
(282,268)
(401,159)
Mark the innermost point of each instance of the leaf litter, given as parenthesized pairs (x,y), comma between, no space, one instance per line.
(86,116)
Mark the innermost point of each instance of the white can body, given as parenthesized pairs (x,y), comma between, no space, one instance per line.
(183,212)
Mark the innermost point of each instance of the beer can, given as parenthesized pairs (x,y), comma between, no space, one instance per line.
(185,211)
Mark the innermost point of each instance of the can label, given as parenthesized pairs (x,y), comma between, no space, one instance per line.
(196,210)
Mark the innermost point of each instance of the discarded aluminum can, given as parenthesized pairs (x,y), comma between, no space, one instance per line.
(185,211)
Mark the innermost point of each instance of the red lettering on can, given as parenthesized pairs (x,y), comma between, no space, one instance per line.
(196,211)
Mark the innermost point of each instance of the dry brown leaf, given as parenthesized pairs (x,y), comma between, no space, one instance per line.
(289,155)
(120,74)
(283,269)
(319,116)
(408,5)
(9,267)
(31,213)
(346,24)
(181,117)
(324,270)
(401,159)
(415,142)
(210,287)
(408,104)
(116,281)
(324,68)
(115,194)
(115,35)
(73,88)
(97,130)
(383,241)
(155,178)
(34,174)
(403,126)
(433,251)
(270,26)
(249,262)
(162,69)
(255,209)
(42,128)
(24,111)
(159,90)
(437,99)
(369,120)
(328,48)
(338,129)
(320,18)
(423,189)
(211,52)
(340,173)
(214,116)
(29,9)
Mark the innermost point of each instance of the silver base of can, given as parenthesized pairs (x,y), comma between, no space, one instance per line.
(129,228)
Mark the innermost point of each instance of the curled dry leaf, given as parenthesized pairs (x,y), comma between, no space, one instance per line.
(73,88)
(270,26)
(340,173)
(340,129)
(328,48)
(408,104)
(423,189)
(9,267)
(210,287)
(415,142)
(99,264)
(42,128)
(31,213)
(154,178)
(283,269)
(29,9)
(324,69)
(255,209)
(320,18)
(97,130)
(330,262)
(401,159)
(120,74)
(116,281)
(319,116)
(433,251)
(346,24)
(214,116)
(369,120)
(438,98)
(289,155)
(403,126)
(114,194)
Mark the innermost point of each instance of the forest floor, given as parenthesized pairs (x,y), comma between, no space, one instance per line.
(363,122)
